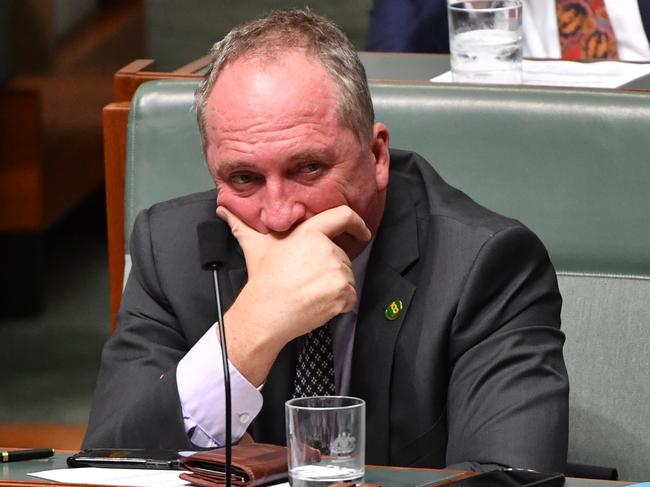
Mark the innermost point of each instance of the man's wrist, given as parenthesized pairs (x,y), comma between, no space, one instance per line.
(200,385)
(252,346)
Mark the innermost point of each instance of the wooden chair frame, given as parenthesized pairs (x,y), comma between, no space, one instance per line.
(115,120)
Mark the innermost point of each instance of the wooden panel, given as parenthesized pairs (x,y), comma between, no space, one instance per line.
(21,161)
(131,76)
(195,66)
(115,117)
(125,78)
(31,435)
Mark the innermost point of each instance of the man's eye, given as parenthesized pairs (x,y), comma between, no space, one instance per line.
(241,178)
(310,167)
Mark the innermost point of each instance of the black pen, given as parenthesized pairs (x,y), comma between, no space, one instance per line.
(16,455)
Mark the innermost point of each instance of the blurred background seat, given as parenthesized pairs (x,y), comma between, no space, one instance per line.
(57,60)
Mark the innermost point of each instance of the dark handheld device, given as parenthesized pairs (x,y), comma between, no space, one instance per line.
(512,477)
(125,458)
(213,248)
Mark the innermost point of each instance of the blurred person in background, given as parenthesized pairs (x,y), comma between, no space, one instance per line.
(566,29)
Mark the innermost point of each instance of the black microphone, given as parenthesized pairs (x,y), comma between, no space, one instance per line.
(213,249)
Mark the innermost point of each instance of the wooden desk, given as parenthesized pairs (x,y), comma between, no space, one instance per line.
(14,474)
(420,68)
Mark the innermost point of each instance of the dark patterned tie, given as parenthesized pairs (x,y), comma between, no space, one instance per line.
(585,30)
(315,366)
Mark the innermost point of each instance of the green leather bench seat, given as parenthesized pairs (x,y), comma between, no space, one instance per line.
(572,165)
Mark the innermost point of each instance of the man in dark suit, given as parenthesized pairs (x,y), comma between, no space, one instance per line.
(421,25)
(444,316)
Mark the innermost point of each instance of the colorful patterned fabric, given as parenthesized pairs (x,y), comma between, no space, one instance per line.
(585,30)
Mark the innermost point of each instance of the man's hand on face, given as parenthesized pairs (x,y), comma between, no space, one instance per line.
(297,281)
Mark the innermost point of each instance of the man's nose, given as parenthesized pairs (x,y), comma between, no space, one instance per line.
(280,212)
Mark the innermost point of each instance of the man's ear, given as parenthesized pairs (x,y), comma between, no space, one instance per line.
(379,148)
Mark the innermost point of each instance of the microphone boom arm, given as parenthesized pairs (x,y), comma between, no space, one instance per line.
(226,377)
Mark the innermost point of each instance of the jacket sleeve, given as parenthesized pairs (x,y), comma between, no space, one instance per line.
(508,386)
(136,402)
(408,26)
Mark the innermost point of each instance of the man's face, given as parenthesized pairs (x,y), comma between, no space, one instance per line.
(279,154)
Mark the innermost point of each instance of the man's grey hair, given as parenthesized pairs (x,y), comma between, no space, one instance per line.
(285,29)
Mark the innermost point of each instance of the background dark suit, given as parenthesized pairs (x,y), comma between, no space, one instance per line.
(471,370)
(421,25)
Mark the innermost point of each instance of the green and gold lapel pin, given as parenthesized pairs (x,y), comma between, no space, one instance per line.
(393,310)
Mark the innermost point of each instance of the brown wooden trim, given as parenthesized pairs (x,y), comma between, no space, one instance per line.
(122,80)
(22,151)
(138,65)
(127,79)
(195,66)
(125,86)
(461,475)
(115,118)
(37,435)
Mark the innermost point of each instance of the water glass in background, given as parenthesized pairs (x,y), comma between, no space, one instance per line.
(326,440)
(485,41)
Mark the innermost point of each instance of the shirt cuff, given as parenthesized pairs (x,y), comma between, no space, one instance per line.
(199,378)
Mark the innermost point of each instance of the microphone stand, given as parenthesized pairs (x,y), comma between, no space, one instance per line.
(213,248)
(226,375)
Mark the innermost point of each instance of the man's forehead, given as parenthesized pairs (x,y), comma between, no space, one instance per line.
(290,67)
(290,90)
(270,55)
(274,53)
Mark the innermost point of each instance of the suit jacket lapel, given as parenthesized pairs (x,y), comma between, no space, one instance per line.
(394,250)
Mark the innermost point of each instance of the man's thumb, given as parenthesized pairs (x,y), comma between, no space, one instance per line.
(247,237)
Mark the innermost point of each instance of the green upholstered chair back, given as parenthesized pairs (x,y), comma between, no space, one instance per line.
(572,165)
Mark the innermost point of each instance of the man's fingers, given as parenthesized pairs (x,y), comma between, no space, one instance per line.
(229,217)
(253,243)
(238,227)
(339,220)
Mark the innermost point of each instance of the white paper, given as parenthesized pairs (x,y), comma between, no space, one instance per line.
(114,476)
(118,476)
(603,74)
